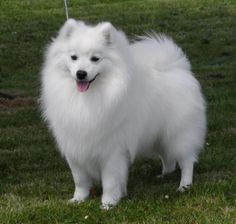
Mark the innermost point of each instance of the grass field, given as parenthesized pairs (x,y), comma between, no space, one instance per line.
(35,181)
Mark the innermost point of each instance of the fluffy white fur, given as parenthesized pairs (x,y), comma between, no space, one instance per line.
(144,101)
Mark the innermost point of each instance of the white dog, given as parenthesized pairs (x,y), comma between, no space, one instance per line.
(108,100)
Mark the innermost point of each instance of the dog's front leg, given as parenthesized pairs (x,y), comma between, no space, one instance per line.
(82,182)
(114,179)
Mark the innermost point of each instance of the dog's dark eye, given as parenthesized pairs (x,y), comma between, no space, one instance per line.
(74,57)
(94,59)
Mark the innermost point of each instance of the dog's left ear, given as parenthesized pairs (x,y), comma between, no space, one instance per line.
(107,31)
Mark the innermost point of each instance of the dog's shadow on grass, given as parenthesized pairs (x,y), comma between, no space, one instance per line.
(144,182)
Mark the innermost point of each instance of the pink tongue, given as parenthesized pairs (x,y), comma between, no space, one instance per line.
(82,86)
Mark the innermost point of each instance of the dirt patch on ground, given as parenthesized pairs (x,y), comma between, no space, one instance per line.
(8,101)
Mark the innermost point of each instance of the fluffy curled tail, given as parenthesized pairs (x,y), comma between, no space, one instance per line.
(160,52)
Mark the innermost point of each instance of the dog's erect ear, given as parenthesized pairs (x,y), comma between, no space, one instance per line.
(107,31)
(68,28)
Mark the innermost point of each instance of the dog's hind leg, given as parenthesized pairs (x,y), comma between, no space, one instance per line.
(168,166)
(168,163)
(186,165)
(187,147)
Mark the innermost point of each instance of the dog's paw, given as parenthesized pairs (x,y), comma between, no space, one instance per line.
(75,200)
(184,188)
(109,202)
(80,195)
(160,176)
(107,207)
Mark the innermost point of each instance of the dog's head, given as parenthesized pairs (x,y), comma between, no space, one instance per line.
(86,52)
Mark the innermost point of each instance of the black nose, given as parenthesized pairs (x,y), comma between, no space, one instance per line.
(81,74)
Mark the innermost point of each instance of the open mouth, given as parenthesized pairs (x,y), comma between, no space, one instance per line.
(83,86)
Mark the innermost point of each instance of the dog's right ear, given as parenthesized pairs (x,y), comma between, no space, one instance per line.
(67,28)
(107,31)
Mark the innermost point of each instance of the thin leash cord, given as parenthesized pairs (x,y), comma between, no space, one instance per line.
(66,9)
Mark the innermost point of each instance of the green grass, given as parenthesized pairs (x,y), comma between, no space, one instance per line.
(35,181)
